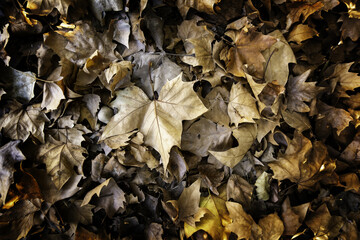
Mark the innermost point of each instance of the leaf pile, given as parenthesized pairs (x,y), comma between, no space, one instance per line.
(209,119)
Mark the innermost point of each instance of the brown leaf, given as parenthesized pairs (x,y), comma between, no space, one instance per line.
(189,200)
(303,163)
(347,80)
(52,96)
(239,190)
(61,159)
(301,33)
(202,5)
(323,224)
(299,91)
(350,28)
(293,217)
(247,50)
(302,9)
(46,6)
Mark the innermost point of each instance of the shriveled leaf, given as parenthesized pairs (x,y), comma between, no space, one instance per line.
(46,6)
(263,186)
(98,7)
(159,120)
(9,155)
(245,135)
(61,159)
(293,217)
(303,10)
(202,5)
(19,123)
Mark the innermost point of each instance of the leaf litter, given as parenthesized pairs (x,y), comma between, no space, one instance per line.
(209,119)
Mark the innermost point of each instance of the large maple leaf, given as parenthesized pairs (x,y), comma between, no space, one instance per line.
(160,120)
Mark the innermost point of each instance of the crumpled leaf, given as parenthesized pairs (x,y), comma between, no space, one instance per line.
(73,135)
(347,80)
(159,120)
(110,197)
(323,224)
(216,101)
(80,43)
(278,57)
(272,227)
(242,106)
(205,135)
(263,186)
(299,91)
(245,135)
(20,85)
(239,190)
(19,123)
(303,10)
(303,163)
(61,159)
(9,155)
(293,217)
(201,5)
(100,6)
(247,50)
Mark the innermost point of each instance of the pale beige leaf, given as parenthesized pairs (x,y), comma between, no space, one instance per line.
(216,101)
(299,121)
(347,80)
(18,124)
(263,186)
(61,159)
(245,135)
(52,96)
(159,120)
(203,52)
(278,57)
(189,200)
(242,106)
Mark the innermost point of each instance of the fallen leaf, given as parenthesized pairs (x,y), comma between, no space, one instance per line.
(98,7)
(247,50)
(278,57)
(323,224)
(52,96)
(216,102)
(263,186)
(301,32)
(350,28)
(46,6)
(347,80)
(110,197)
(293,217)
(189,200)
(159,120)
(303,10)
(242,106)
(204,136)
(296,120)
(9,155)
(154,231)
(245,135)
(63,160)
(272,227)
(19,123)
(299,92)
(239,190)
(202,5)
(303,163)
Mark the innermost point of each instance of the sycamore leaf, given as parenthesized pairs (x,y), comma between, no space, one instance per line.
(243,225)
(52,96)
(299,121)
(245,135)
(323,224)
(73,135)
(278,57)
(299,91)
(247,50)
(301,33)
(110,197)
(350,28)
(304,10)
(203,53)
(113,77)
(216,101)
(75,213)
(239,190)
(9,155)
(18,124)
(330,116)
(159,120)
(347,80)
(61,159)
(46,6)
(293,216)
(80,43)
(18,84)
(272,227)
(242,106)
(205,135)
(189,200)
(303,163)
(214,217)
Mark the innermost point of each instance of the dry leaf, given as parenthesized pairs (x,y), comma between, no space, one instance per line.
(18,124)
(46,6)
(188,201)
(52,96)
(293,216)
(304,10)
(245,135)
(301,33)
(239,190)
(272,227)
(61,160)
(247,50)
(159,120)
